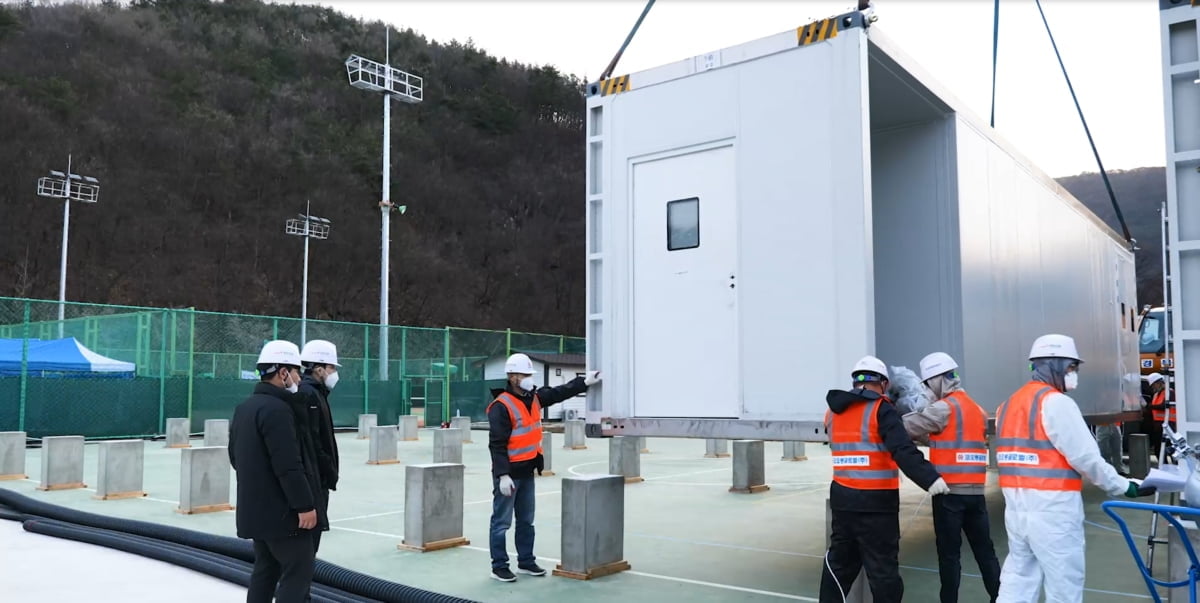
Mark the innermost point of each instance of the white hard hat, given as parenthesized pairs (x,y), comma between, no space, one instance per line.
(936,364)
(1054,346)
(520,364)
(870,364)
(280,352)
(319,351)
(1154,378)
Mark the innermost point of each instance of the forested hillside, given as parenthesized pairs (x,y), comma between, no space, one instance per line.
(209,124)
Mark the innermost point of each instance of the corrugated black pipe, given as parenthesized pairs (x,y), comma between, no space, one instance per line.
(325,573)
(211,564)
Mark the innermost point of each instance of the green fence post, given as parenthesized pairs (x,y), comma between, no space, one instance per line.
(507,342)
(24,368)
(446,381)
(275,328)
(562,343)
(162,377)
(405,402)
(366,370)
(191,361)
(174,346)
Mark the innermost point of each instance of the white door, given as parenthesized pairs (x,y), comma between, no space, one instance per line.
(685,286)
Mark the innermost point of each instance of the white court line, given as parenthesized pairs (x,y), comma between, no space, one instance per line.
(162,500)
(401,510)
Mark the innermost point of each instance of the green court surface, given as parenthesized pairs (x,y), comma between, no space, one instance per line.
(686,536)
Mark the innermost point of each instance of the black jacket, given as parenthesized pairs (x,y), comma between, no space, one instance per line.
(894,436)
(500,426)
(275,464)
(320,428)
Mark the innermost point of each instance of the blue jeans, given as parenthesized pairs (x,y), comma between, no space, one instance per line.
(522,501)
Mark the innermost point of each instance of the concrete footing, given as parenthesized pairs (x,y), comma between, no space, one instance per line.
(179,433)
(433,507)
(365,423)
(794,451)
(447,446)
(463,424)
(12,455)
(1139,455)
(749,467)
(62,463)
(408,428)
(383,449)
(216,432)
(624,458)
(547,454)
(991,442)
(642,445)
(121,469)
(575,434)
(204,480)
(593,527)
(715,449)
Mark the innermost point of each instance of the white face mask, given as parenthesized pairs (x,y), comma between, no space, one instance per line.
(1071,380)
(294,387)
(331,380)
(527,384)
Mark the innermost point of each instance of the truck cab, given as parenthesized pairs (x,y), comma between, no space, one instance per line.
(1152,342)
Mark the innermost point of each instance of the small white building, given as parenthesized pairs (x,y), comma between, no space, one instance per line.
(549,370)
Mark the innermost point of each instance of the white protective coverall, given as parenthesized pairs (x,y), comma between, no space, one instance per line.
(1045,528)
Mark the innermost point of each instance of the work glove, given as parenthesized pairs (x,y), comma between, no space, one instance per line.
(592,378)
(506,485)
(1136,490)
(939,487)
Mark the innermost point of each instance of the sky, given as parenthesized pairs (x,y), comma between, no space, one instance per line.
(1111,50)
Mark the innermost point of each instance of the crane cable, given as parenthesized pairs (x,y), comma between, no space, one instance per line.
(1103,174)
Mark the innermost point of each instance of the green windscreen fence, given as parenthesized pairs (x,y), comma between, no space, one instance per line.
(106,371)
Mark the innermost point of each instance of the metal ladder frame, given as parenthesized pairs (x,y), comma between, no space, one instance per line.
(1153,538)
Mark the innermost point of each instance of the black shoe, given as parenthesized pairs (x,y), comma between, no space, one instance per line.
(532,570)
(504,574)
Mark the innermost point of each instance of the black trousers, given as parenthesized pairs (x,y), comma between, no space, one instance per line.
(953,516)
(860,541)
(283,569)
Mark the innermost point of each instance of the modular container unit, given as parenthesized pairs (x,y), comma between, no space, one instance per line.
(761,216)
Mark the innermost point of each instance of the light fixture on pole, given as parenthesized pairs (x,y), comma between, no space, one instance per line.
(391,83)
(68,187)
(309,227)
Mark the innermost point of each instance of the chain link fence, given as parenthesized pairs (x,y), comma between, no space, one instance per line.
(105,371)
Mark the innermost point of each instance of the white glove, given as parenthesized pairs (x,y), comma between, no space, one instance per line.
(939,487)
(592,378)
(507,487)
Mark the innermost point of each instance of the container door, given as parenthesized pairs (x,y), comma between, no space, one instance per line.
(685,286)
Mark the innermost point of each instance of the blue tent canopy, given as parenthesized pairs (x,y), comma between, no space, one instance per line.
(61,357)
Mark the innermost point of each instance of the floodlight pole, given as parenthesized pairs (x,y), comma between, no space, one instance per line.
(385,210)
(62,265)
(304,284)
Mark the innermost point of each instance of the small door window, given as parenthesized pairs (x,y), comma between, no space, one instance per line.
(683,224)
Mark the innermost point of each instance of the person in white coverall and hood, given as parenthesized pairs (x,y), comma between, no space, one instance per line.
(1044,450)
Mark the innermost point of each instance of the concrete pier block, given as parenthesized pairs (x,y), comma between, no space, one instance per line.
(624,458)
(383,448)
(794,451)
(179,433)
(408,428)
(365,423)
(593,527)
(216,432)
(463,424)
(642,448)
(547,454)
(991,442)
(447,446)
(433,507)
(62,463)
(121,468)
(12,455)
(204,480)
(575,433)
(749,473)
(1139,455)
(716,449)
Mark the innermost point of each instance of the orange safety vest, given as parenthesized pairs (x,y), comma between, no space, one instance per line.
(860,459)
(525,441)
(959,451)
(1161,415)
(1024,453)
